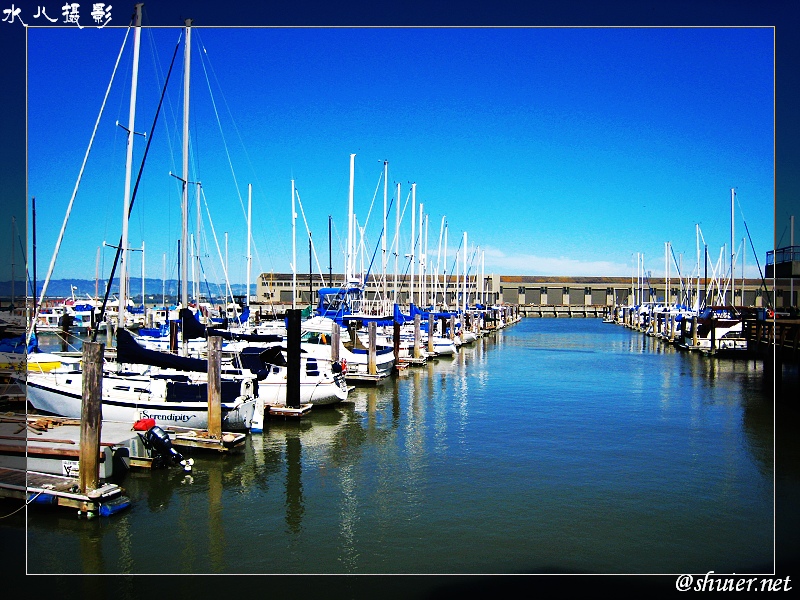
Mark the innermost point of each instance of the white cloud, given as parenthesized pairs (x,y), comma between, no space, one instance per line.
(496,261)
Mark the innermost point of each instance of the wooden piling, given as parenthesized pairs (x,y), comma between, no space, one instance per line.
(431,321)
(215,387)
(336,340)
(417,320)
(173,337)
(294,316)
(396,340)
(452,327)
(91,417)
(372,348)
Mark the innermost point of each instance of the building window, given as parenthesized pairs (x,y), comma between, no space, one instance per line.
(521,289)
(565,290)
(587,291)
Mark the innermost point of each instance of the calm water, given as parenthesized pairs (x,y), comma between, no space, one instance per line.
(554,446)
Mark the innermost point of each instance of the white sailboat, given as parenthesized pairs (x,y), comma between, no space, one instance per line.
(171,393)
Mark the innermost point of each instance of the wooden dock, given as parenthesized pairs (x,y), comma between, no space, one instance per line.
(58,490)
(200,439)
(51,444)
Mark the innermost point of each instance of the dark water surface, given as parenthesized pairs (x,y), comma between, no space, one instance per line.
(553,446)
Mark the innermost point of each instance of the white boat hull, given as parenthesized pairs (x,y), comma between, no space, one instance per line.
(61,394)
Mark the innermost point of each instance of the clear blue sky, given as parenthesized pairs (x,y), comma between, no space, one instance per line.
(561,151)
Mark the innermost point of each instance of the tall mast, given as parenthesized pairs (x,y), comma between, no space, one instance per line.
(144,305)
(294,252)
(426,278)
(483,282)
(249,238)
(396,241)
(438,264)
(733,254)
(421,259)
(197,250)
(464,294)
(123,273)
(350,258)
(444,285)
(413,239)
(185,182)
(383,240)
(187,56)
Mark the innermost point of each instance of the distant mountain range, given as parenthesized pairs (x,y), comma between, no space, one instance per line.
(154,288)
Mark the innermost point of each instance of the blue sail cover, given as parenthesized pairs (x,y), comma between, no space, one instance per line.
(129,351)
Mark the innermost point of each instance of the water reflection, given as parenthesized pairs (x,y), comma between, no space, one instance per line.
(593,441)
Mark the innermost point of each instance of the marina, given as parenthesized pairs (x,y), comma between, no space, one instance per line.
(669,448)
(415,412)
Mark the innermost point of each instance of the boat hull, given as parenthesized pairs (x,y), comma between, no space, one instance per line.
(61,394)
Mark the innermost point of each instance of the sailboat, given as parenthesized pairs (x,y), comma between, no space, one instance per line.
(170,389)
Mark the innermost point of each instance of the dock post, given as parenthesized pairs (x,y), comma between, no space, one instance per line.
(91,417)
(417,319)
(396,340)
(452,327)
(372,340)
(293,358)
(694,331)
(431,322)
(336,340)
(215,387)
(173,336)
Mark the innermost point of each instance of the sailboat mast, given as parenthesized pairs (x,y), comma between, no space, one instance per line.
(413,239)
(123,274)
(185,196)
(444,283)
(733,253)
(483,281)
(197,250)
(396,241)
(185,201)
(294,252)
(249,238)
(383,240)
(421,259)
(464,294)
(350,258)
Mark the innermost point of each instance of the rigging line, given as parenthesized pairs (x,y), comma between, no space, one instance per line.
(763,282)
(133,195)
(397,233)
(375,195)
(204,59)
(310,238)
(228,289)
(369,269)
(224,141)
(75,191)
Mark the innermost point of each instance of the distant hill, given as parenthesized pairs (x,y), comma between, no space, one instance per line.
(62,288)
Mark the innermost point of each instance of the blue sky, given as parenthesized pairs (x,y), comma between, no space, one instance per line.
(560,151)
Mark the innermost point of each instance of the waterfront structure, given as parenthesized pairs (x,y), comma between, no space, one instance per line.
(527,291)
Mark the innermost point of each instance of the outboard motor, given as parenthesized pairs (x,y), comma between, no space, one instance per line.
(157,441)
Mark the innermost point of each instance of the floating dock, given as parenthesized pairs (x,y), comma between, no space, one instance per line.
(59,490)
